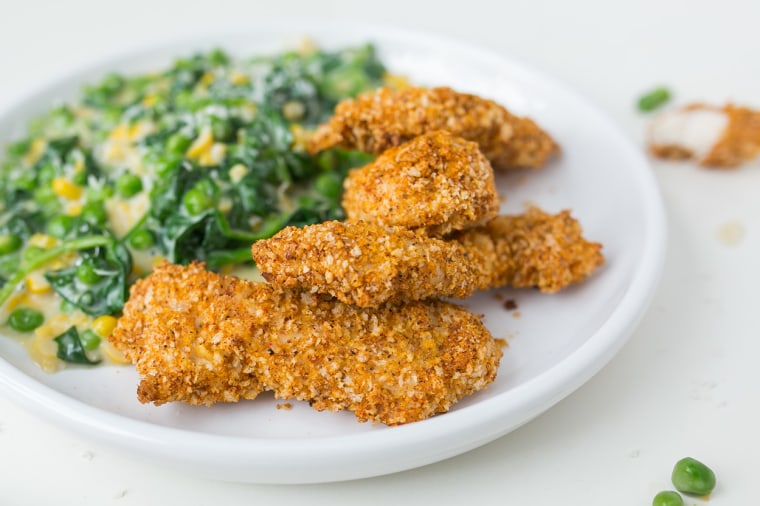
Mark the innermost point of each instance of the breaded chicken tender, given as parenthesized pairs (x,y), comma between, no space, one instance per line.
(436,181)
(384,118)
(201,338)
(367,265)
(533,249)
(721,137)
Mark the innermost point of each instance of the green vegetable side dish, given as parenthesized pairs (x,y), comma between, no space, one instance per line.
(690,476)
(654,99)
(667,498)
(192,163)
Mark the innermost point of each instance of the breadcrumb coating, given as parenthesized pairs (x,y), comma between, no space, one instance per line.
(533,249)
(201,338)
(384,118)
(368,265)
(365,264)
(738,143)
(435,181)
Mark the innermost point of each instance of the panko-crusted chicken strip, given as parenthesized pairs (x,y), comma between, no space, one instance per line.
(436,181)
(533,249)
(722,137)
(384,118)
(200,337)
(367,265)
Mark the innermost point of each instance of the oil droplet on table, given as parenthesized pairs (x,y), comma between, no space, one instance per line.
(731,233)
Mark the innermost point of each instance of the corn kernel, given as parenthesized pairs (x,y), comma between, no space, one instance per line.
(74,210)
(66,189)
(213,155)
(202,143)
(36,283)
(104,325)
(113,354)
(207,79)
(149,100)
(121,132)
(238,172)
(300,137)
(238,78)
(395,81)
(17,300)
(42,241)
(35,151)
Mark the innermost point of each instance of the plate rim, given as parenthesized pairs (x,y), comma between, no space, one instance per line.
(233,452)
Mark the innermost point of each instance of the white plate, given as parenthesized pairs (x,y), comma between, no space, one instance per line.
(556,344)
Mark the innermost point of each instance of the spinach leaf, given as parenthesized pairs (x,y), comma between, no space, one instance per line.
(70,348)
(112,263)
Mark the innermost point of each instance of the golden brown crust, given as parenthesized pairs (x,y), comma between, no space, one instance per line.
(219,339)
(533,249)
(740,141)
(384,118)
(365,264)
(435,181)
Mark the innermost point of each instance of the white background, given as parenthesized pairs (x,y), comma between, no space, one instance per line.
(687,383)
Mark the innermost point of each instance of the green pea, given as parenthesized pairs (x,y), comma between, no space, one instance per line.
(25,320)
(178,144)
(654,99)
(196,201)
(90,340)
(9,243)
(32,252)
(87,274)
(128,185)
(166,164)
(95,213)
(142,239)
(25,181)
(67,307)
(60,226)
(690,476)
(667,498)
(329,185)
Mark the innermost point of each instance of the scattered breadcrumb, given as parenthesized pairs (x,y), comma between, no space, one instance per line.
(378,120)
(436,181)
(286,406)
(214,338)
(510,304)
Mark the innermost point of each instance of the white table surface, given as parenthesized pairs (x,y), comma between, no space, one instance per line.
(687,382)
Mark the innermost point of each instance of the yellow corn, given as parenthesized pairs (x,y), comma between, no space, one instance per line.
(66,189)
(35,151)
(74,210)
(238,78)
(113,354)
(214,155)
(149,100)
(17,300)
(300,137)
(121,132)
(207,79)
(395,81)
(201,144)
(42,241)
(238,172)
(36,283)
(104,325)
